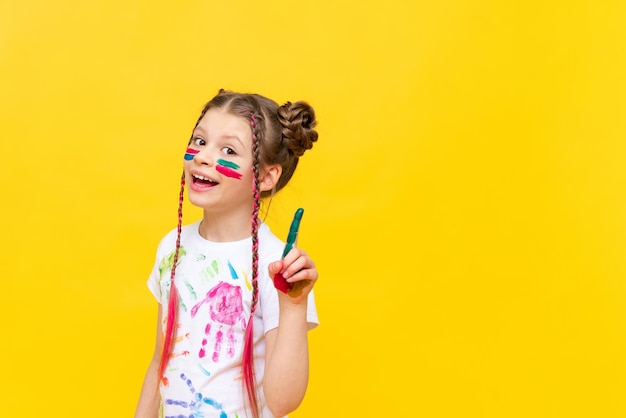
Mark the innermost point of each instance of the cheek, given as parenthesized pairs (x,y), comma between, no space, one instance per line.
(190,153)
(228,172)
(228,168)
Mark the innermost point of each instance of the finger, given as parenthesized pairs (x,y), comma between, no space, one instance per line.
(302,287)
(309,274)
(275,267)
(294,254)
(300,263)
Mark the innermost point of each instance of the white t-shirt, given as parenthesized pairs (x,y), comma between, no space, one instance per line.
(214,285)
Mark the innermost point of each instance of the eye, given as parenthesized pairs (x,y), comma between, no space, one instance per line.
(198,142)
(228,151)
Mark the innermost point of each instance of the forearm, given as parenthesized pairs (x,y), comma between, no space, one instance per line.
(149,399)
(287,371)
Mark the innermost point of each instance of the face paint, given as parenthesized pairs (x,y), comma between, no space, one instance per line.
(190,153)
(228,168)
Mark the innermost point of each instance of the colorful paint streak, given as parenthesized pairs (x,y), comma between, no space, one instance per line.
(225,306)
(192,292)
(210,271)
(182,353)
(248,284)
(207,331)
(233,273)
(204,371)
(228,168)
(228,164)
(195,406)
(190,153)
(167,263)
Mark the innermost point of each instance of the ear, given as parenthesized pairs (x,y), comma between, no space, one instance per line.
(270,177)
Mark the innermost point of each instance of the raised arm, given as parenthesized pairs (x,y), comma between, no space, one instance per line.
(287,347)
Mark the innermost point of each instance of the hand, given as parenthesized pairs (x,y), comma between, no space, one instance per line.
(299,271)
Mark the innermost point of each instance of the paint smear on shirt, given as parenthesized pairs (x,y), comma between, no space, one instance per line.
(233,273)
(192,292)
(245,278)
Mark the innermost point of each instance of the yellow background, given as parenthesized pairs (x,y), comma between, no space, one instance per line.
(465,203)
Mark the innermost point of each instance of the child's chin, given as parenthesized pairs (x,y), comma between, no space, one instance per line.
(200,200)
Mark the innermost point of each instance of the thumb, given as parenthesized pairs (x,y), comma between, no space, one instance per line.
(275,267)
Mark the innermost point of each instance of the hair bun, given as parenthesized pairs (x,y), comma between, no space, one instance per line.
(298,121)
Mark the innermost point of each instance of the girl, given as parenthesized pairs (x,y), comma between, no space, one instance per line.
(228,343)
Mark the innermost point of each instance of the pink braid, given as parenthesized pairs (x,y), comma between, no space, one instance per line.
(247,365)
(172,306)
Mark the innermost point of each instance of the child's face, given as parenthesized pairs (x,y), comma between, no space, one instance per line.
(218,163)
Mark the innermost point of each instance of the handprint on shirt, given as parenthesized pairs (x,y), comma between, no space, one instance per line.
(225,309)
(195,406)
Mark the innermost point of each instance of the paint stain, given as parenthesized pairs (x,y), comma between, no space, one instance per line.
(233,273)
(228,169)
(167,262)
(193,294)
(212,269)
(248,284)
(196,402)
(204,371)
(225,307)
(207,331)
(190,153)
(228,164)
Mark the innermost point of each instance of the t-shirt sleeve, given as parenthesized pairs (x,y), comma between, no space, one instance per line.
(154,280)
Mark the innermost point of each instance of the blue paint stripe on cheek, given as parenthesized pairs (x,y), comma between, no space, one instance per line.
(190,153)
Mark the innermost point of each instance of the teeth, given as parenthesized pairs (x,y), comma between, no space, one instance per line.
(201,177)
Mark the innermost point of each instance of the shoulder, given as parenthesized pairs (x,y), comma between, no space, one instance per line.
(169,240)
(266,233)
(269,243)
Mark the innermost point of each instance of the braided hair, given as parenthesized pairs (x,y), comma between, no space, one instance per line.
(280,135)
(172,305)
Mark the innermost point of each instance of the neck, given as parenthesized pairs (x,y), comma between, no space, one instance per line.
(226,227)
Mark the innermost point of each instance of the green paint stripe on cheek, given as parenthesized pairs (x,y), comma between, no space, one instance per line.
(227,164)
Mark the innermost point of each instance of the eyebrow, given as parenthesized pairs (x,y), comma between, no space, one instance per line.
(233,137)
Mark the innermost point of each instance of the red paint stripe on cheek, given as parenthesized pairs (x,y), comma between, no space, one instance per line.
(228,172)
(189,154)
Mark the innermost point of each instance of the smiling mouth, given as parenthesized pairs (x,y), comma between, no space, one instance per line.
(201,180)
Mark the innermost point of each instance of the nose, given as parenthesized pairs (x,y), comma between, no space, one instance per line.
(203,157)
